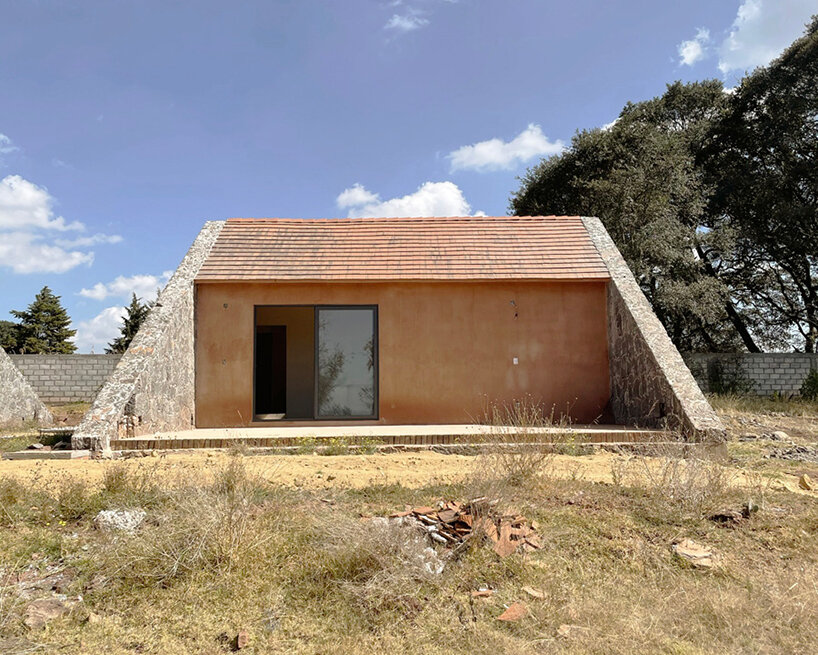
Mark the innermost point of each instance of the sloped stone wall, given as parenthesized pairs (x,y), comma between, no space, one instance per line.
(18,401)
(151,388)
(651,385)
(66,378)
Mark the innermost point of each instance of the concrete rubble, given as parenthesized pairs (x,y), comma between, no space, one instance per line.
(796,453)
(122,520)
(696,554)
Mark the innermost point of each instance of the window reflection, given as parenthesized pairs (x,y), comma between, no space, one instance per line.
(346,362)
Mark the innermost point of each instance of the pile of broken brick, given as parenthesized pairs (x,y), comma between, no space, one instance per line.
(456,525)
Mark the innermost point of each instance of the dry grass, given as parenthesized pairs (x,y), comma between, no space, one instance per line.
(767,405)
(694,484)
(309,571)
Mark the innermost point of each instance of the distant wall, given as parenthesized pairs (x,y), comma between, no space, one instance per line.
(761,373)
(66,378)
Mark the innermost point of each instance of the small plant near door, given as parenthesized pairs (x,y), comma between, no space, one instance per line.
(335,446)
(306,445)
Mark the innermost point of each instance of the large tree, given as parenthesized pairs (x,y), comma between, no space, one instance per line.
(8,336)
(44,326)
(639,176)
(762,160)
(135,315)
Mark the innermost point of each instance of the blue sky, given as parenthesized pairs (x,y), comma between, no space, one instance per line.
(125,125)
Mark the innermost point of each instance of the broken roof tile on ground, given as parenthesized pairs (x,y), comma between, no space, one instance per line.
(453,524)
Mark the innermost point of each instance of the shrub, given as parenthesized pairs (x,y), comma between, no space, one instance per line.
(125,486)
(677,484)
(809,387)
(381,568)
(727,376)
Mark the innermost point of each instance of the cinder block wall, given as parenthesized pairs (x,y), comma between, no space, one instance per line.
(761,373)
(66,378)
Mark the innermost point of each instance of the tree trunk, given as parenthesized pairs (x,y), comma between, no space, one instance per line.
(732,314)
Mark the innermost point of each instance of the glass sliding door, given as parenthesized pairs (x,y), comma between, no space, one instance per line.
(346,363)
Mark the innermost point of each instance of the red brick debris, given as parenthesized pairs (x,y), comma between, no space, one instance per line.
(452,523)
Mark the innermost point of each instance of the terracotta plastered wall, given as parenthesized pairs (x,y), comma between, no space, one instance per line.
(445,349)
(151,389)
(650,383)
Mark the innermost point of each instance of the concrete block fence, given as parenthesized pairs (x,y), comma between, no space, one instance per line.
(66,378)
(761,373)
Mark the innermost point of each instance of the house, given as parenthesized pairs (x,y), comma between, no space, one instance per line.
(398,321)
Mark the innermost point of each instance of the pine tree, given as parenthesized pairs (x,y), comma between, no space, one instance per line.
(137,312)
(8,336)
(45,326)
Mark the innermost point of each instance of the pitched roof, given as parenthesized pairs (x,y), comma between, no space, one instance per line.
(373,249)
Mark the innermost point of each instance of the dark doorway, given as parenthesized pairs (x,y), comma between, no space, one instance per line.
(271,371)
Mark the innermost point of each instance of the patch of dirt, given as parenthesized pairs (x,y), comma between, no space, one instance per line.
(69,414)
(411,470)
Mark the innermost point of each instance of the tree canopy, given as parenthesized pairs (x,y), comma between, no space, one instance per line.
(711,198)
(762,161)
(44,327)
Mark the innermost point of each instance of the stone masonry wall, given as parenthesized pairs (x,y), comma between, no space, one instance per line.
(18,401)
(760,373)
(66,378)
(650,384)
(151,388)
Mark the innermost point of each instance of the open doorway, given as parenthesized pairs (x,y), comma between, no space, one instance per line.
(271,371)
(315,362)
(284,363)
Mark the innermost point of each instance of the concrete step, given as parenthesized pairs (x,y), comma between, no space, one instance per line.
(48,454)
(422,439)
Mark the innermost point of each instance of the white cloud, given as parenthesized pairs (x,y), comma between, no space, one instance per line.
(496,154)
(28,229)
(405,23)
(25,252)
(761,31)
(355,196)
(99,331)
(608,126)
(6,146)
(26,205)
(144,286)
(431,199)
(91,240)
(693,50)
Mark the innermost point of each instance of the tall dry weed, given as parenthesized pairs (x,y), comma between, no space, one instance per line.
(519,444)
(694,484)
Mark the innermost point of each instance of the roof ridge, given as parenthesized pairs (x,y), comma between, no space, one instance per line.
(419,219)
